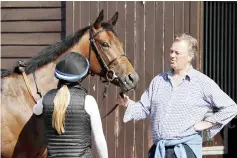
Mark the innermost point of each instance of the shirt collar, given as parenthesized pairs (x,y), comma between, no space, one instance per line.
(189,75)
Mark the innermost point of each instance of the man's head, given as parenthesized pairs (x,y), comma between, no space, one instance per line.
(183,51)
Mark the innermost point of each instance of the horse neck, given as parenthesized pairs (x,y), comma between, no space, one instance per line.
(14,85)
(44,76)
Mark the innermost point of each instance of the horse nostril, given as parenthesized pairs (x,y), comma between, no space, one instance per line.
(130,77)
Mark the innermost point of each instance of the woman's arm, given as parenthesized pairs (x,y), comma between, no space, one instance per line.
(92,109)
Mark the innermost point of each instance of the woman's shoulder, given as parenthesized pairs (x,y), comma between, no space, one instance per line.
(90,97)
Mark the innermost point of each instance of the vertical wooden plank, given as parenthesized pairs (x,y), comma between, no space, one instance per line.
(169,32)
(104,106)
(234,54)
(81,19)
(214,45)
(77,16)
(193,18)
(230,64)
(121,143)
(62,21)
(200,36)
(193,24)
(149,42)
(84,21)
(93,16)
(83,16)
(186,14)
(130,133)
(139,60)
(69,17)
(150,39)
(222,46)
(226,21)
(111,130)
(93,8)
(178,17)
(159,38)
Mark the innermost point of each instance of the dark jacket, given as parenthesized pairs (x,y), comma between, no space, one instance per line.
(76,141)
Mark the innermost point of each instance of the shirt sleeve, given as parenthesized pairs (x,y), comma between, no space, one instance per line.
(92,109)
(38,107)
(227,108)
(141,109)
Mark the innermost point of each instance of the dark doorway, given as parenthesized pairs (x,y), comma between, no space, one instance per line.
(220,54)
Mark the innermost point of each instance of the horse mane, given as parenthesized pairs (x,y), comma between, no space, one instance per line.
(51,52)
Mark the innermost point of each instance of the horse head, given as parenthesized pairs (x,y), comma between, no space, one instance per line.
(106,55)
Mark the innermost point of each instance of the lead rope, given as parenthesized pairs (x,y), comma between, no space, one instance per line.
(105,95)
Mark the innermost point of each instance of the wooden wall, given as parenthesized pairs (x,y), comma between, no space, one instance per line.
(147,30)
(28,27)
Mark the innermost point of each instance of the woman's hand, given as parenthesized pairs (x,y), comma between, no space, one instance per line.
(200,126)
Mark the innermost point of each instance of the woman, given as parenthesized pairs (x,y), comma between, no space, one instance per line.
(70,114)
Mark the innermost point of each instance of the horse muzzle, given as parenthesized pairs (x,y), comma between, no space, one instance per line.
(128,82)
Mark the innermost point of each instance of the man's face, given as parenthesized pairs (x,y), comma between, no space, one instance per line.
(179,55)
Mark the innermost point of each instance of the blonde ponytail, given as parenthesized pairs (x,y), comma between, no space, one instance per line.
(61,102)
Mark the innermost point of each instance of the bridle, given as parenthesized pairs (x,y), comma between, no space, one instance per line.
(105,70)
(109,73)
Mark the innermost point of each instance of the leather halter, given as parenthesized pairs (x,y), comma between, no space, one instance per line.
(105,68)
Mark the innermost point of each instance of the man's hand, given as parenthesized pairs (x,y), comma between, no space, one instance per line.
(200,126)
(123,101)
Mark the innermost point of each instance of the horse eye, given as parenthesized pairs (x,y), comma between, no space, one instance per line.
(104,44)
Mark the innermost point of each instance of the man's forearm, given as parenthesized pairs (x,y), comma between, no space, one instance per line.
(203,125)
(135,111)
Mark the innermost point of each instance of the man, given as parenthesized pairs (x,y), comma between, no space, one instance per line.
(176,102)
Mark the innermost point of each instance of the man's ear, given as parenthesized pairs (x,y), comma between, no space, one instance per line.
(191,56)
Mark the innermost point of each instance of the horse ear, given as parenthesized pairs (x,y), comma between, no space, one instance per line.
(100,18)
(114,19)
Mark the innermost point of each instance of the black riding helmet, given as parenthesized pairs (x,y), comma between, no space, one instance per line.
(72,67)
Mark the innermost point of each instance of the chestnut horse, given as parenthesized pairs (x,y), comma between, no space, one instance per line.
(23,132)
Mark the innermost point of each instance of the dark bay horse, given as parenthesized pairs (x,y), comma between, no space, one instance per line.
(22,132)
